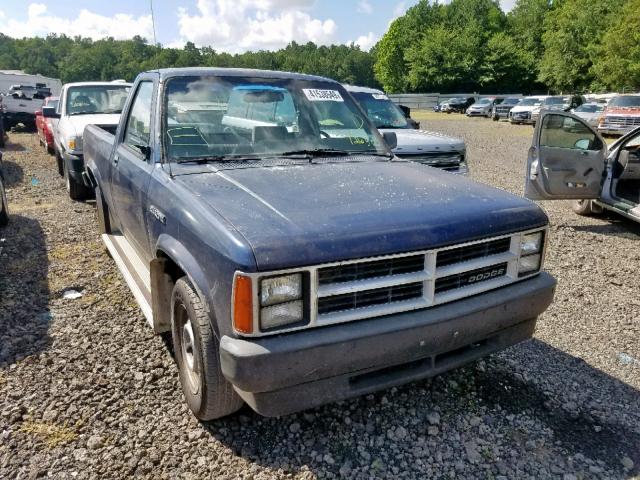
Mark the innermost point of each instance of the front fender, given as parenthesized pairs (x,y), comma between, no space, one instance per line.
(180,255)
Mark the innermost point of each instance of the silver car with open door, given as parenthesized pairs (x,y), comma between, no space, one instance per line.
(569,160)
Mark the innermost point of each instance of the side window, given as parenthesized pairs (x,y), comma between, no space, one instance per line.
(559,131)
(138,131)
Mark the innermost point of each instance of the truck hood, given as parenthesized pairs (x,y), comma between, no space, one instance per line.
(631,111)
(78,122)
(316,213)
(415,141)
(525,108)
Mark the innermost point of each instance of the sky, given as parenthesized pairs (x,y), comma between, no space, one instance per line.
(232,26)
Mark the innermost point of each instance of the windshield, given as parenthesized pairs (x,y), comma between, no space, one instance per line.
(527,102)
(589,108)
(484,101)
(625,101)
(556,100)
(220,117)
(511,101)
(93,99)
(380,110)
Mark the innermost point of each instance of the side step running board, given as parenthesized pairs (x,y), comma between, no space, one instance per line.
(134,270)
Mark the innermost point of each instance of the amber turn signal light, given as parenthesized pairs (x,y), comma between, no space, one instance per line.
(243,305)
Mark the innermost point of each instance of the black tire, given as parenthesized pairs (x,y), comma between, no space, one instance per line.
(102,212)
(207,392)
(59,162)
(76,191)
(495,118)
(585,208)
(4,210)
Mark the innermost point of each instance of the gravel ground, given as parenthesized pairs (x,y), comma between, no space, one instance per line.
(87,391)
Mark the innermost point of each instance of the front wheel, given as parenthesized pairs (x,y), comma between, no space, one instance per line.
(585,207)
(208,393)
(76,190)
(4,210)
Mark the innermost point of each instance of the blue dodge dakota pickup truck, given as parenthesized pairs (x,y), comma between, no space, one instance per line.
(263,220)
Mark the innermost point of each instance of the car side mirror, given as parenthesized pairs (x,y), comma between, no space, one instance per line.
(390,139)
(50,112)
(145,150)
(405,110)
(582,144)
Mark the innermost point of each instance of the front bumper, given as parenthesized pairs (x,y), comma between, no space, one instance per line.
(75,165)
(613,130)
(516,118)
(291,372)
(478,113)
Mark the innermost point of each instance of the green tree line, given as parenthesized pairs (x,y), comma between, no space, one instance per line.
(464,45)
(539,46)
(83,59)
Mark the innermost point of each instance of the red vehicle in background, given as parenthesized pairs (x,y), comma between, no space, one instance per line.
(45,129)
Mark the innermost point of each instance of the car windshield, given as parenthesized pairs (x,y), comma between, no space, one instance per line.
(380,110)
(94,99)
(511,101)
(556,100)
(218,118)
(484,101)
(527,102)
(625,101)
(589,108)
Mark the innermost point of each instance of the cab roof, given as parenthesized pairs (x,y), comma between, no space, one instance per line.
(166,73)
(356,89)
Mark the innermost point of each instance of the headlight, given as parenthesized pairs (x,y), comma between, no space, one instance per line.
(281,301)
(529,264)
(531,243)
(281,314)
(531,246)
(280,289)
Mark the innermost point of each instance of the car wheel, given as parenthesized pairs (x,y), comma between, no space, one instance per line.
(76,191)
(585,207)
(208,393)
(4,209)
(59,162)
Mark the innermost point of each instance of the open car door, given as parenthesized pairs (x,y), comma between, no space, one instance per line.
(567,159)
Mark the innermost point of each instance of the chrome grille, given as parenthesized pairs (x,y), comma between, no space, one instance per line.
(470,252)
(367,298)
(368,288)
(473,277)
(621,121)
(365,270)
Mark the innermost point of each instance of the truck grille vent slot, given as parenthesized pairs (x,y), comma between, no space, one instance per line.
(471,252)
(472,277)
(368,298)
(437,159)
(366,270)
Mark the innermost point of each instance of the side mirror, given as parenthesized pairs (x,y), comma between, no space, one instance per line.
(145,150)
(50,112)
(390,139)
(405,110)
(582,144)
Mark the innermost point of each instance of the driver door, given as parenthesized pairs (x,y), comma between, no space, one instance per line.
(567,159)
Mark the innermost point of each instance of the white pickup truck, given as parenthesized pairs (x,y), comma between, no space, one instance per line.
(82,104)
(429,148)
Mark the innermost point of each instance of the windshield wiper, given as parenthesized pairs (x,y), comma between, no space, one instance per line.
(315,152)
(219,158)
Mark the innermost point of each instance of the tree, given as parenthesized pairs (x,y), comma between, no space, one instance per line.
(572,34)
(525,22)
(506,68)
(616,63)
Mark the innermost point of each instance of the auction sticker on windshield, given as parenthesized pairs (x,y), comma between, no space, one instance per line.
(315,95)
(379,96)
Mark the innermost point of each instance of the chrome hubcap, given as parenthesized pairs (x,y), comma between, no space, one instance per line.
(187,345)
(188,350)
